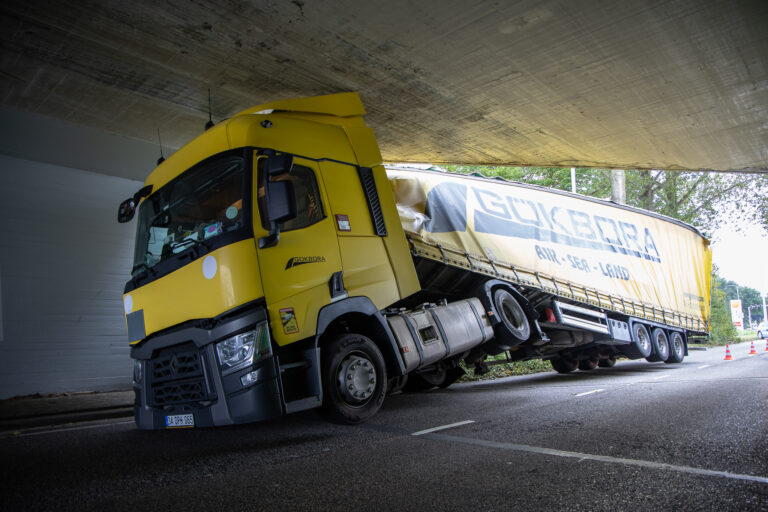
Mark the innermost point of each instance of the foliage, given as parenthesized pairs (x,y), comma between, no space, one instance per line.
(723,330)
(508,370)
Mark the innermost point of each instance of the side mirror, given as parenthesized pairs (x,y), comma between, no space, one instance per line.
(281,206)
(126,211)
(128,207)
(278,164)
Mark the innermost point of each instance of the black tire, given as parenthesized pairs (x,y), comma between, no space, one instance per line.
(426,381)
(514,327)
(641,343)
(660,345)
(676,348)
(608,362)
(563,365)
(353,360)
(759,335)
(395,384)
(588,364)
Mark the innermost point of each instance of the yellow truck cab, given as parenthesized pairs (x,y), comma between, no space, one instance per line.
(280,267)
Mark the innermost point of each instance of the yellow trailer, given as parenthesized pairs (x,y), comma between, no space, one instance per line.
(280,267)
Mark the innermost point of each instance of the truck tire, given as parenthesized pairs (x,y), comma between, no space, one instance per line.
(676,348)
(608,362)
(588,364)
(563,365)
(660,345)
(641,343)
(354,379)
(514,327)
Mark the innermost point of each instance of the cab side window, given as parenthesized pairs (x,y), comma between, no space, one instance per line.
(309,207)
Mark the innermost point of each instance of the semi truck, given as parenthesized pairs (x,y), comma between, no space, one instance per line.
(279,266)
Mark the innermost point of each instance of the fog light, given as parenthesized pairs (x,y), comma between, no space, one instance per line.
(250,378)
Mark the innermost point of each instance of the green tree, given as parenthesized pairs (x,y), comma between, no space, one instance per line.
(722,328)
(749,298)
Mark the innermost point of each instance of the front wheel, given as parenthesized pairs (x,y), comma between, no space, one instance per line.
(354,379)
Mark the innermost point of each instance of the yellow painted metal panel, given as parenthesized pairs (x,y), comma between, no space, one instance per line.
(368,271)
(346,197)
(561,242)
(188,294)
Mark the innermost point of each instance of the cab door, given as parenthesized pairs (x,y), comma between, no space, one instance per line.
(296,271)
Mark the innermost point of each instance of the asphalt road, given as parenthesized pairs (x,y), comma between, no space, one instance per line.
(639,436)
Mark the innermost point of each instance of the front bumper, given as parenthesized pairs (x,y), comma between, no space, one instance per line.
(180,375)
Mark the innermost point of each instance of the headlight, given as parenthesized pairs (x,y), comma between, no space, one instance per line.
(137,371)
(244,349)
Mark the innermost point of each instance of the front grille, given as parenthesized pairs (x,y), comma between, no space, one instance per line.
(177,377)
(179,392)
(180,365)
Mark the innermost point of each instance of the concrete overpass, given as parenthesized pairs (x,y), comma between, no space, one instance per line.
(679,84)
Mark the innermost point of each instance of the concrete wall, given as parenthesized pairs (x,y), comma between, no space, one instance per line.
(64,258)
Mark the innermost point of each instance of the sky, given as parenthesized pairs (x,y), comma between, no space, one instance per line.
(742,256)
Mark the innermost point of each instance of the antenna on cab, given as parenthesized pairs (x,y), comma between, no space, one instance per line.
(209,124)
(160,143)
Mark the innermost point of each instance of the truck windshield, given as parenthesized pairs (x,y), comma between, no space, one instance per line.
(203,203)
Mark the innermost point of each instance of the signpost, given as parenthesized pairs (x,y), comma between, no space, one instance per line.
(737,315)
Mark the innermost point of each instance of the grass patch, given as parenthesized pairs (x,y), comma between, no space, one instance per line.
(507,370)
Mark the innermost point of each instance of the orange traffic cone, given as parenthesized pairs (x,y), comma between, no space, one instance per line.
(728,356)
(766,345)
(752,350)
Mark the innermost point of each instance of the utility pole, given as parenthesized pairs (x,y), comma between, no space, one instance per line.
(573,180)
(618,186)
(765,311)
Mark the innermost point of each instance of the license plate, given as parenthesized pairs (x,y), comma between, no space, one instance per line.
(180,420)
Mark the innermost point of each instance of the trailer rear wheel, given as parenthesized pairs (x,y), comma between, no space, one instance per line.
(354,379)
(676,348)
(641,343)
(608,362)
(563,364)
(514,327)
(660,346)
(588,364)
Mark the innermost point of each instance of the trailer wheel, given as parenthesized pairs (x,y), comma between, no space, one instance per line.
(514,327)
(676,348)
(354,379)
(427,380)
(641,343)
(588,364)
(608,362)
(660,345)
(563,365)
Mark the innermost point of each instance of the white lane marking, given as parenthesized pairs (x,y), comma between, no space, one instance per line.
(598,458)
(590,392)
(704,366)
(661,377)
(71,429)
(442,427)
